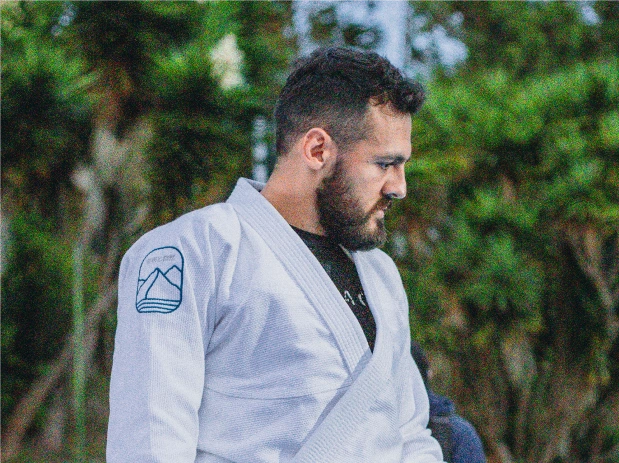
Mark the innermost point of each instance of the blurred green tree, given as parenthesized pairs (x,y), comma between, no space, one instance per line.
(330,25)
(117,116)
(513,221)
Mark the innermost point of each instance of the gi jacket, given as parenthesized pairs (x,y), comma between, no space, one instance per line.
(234,345)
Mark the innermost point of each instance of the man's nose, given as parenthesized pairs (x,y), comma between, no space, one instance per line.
(395,187)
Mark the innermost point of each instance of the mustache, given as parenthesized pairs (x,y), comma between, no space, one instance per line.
(384,204)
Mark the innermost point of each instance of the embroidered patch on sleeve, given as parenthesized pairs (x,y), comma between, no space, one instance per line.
(160,282)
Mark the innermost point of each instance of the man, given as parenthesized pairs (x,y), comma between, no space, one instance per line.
(269,328)
(459,440)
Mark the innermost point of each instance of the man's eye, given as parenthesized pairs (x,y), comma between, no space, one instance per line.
(384,165)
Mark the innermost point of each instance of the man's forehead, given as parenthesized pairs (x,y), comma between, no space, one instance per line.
(385,113)
(385,122)
(386,109)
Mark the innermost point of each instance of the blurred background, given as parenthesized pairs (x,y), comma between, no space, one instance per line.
(119,116)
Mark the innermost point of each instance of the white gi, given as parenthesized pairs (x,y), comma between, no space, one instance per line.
(234,345)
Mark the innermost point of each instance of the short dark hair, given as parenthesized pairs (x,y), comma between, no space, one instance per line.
(332,88)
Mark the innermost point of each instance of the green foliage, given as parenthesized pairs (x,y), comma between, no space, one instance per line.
(194,121)
(203,141)
(36,301)
(130,34)
(514,207)
(329,27)
(522,38)
(46,117)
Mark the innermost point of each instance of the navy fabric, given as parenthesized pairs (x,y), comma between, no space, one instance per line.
(440,405)
(466,444)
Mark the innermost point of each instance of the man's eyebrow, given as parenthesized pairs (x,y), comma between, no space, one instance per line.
(391,158)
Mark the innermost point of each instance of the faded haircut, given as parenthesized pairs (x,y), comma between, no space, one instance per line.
(333,88)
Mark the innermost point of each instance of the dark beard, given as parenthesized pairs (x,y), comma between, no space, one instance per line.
(342,217)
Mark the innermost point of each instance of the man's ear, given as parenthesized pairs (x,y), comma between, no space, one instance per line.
(318,149)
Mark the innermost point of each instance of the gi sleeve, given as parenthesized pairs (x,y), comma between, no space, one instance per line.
(158,365)
(419,445)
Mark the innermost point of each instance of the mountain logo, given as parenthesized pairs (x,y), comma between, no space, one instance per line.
(160,281)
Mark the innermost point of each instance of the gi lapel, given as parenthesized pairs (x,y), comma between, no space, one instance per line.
(349,415)
(305,269)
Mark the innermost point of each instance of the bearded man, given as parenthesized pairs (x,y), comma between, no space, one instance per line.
(270,328)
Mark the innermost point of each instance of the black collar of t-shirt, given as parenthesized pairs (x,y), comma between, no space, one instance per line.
(341,269)
(322,245)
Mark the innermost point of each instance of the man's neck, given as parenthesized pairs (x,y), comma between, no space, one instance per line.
(297,205)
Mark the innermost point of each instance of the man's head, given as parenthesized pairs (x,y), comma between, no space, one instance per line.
(354,195)
(333,88)
(343,131)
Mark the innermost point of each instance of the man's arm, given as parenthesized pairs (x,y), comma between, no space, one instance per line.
(158,367)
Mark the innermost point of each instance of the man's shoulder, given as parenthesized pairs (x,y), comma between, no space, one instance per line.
(208,216)
(191,229)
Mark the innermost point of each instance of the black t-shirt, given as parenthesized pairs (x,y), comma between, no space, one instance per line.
(340,267)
